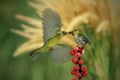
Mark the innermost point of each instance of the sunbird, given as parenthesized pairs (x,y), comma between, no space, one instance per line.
(58,51)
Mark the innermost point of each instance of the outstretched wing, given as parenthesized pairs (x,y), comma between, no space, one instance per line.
(60,53)
(51,23)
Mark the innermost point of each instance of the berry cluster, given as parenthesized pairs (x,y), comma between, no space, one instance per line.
(79,71)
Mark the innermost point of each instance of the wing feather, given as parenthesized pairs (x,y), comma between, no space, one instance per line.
(60,53)
(51,23)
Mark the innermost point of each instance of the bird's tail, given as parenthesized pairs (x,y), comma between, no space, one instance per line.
(34,54)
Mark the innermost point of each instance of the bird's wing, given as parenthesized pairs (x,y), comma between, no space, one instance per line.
(51,23)
(60,53)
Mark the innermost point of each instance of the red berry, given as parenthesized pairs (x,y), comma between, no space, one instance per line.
(84,74)
(78,74)
(84,68)
(73,72)
(81,61)
(76,48)
(75,60)
(72,52)
(78,54)
(81,50)
(76,67)
(75,78)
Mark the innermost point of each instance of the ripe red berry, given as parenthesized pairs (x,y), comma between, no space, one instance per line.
(78,74)
(72,52)
(73,72)
(76,48)
(81,61)
(76,67)
(78,55)
(84,74)
(75,60)
(75,78)
(84,68)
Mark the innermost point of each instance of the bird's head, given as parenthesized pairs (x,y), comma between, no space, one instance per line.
(80,37)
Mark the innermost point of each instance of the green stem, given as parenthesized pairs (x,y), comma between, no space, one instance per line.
(111,60)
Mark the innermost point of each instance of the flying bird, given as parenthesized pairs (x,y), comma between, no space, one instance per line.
(58,52)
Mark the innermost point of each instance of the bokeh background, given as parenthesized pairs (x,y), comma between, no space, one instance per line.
(23,68)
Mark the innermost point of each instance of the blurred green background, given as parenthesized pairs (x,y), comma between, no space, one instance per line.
(22,67)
